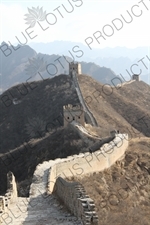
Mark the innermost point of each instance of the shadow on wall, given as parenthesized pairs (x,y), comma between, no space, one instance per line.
(73,194)
(86,163)
(77,201)
(89,117)
(11,194)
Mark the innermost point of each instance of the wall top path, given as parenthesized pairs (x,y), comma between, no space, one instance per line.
(79,165)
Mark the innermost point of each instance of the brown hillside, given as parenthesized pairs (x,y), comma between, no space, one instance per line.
(38,118)
(126,108)
(122,192)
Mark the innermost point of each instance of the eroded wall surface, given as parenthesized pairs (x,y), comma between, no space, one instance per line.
(77,201)
(82,164)
(73,194)
(88,114)
(11,193)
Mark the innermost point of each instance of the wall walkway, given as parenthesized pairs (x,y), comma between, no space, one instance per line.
(89,116)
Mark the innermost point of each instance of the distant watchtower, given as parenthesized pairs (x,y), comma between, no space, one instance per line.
(74,67)
(136,77)
(73,113)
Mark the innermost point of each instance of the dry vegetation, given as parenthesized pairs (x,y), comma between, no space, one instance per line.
(122,193)
(121,108)
(31,121)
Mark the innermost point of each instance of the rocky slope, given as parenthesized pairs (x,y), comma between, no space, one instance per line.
(122,192)
(31,120)
(23,63)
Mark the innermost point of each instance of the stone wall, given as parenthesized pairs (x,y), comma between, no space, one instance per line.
(11,193)
(136,77)
(87,163)
(75,67)
(89,118)
(73,194)
(77,201)
(94,141)
(73,113)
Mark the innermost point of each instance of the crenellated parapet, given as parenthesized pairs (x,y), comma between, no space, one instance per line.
(50,177)
(10,195)
(77,201)
(73,194)
(87,163)
(74,70)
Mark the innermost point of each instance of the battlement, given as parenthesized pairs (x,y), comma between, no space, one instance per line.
(11,193)
(103,158)
(50,176)
(77,201)
(136,77)
(73,194)
(73,113)
(75,67)
(70,107)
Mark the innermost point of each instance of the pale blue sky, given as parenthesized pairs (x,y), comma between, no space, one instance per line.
(83,22)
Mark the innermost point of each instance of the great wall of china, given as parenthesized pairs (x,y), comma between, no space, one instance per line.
(46,181)
(50,183)
(88,114)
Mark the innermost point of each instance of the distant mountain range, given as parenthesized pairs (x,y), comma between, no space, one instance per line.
(42,101)
(102,64)
(26,65)
(119,59)
(31,121)
(63,47)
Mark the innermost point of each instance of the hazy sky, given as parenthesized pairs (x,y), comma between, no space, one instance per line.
(85,20)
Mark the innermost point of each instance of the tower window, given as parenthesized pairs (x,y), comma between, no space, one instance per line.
(68,118)
(78,117)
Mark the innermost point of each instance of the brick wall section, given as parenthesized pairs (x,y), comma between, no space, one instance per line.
(88,114)
(82,164)
(76,200)
(11,193)
(73,194)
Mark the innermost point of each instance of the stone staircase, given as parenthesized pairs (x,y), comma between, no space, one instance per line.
(38,211)
(92,120)
(80,204)
(40,208)
(43,208)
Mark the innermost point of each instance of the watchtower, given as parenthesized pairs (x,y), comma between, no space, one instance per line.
(136,77)
(75,67)
(73,113)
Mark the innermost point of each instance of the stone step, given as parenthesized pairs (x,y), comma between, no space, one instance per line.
(44,212)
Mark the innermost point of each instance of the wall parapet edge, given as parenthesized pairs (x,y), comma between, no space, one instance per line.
(77,201)
(73,194)
(88,114)
(87,163)
(10,195)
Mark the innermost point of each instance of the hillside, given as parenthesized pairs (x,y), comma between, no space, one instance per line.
(31,121)
(118,59)
(21,67)
(40,103)
(12,67)
(122,192)
(126,107)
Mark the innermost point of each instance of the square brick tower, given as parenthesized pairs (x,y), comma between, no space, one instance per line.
(136,77)
(75,67)
(73,113)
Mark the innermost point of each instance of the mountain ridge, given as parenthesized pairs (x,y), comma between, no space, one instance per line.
(25,64)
